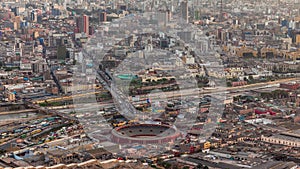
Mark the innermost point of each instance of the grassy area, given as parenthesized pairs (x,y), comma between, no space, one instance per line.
(48,104)
(10,68)
(103,96)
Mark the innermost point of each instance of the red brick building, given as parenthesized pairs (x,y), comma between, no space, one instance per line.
(290,86)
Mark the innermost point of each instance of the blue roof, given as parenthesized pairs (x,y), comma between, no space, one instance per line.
(138,147)
(17,157)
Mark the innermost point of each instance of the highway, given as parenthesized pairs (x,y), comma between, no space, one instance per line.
(70,97)
(126,105)
(122,102)
(51,112)
(18,111)
(219,90)
(86,107)
(127,109)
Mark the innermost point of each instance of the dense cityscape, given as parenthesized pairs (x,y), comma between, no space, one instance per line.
(181,84)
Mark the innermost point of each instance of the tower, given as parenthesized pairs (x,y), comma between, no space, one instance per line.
(221,11)
(17,11)
(33,16)
(184,10)
(103,17)
(86,24)
(83,24)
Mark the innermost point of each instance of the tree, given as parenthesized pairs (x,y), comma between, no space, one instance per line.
(175,166)
(2,151)
(74,62)
(234,79)
(166,165)
(251,78)
(199,166)
(228,84)
(8,69)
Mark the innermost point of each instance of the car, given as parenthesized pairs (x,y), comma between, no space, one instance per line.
(120,158)
(45,146)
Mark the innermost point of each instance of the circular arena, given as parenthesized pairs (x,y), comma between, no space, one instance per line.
(144,134)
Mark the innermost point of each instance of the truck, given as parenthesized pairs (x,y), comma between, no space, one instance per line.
(119,124)
(36,131)
(18,130)
(44,124)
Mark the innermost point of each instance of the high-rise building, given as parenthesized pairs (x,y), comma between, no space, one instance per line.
(221,12)
(91,30)
(82,23)
(86,24)
(185,10)
(33,16)
(17,23)
(298,39)
(17,11)
(103,17)
(78,24)
(169,15)
(123,7)
(196,3)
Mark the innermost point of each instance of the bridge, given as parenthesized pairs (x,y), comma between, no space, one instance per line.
(123,104)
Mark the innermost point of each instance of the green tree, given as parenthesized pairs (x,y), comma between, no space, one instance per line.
(74,62)
(251,78)
(199,166)
(228,84)
(168,166)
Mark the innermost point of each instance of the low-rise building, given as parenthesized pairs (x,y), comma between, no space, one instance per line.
(283,139)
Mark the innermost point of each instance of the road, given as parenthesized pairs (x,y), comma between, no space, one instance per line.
(70,97)
(219,90)
(126,105)
(122,102)
(18,111)
(86,107)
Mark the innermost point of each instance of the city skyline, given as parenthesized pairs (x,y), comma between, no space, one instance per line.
(150,84)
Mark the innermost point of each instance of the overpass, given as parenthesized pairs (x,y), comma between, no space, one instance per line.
(50,111)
